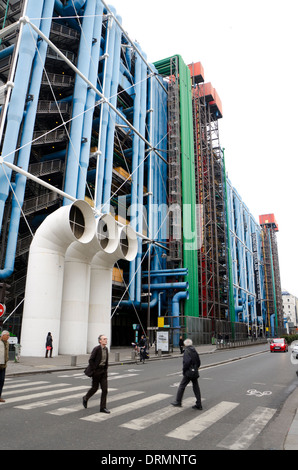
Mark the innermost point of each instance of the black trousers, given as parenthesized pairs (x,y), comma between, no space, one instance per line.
(2,379)
(47,352)
(100,377)
(142,354)
(196,389)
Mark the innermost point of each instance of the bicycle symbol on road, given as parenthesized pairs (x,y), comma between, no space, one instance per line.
(256,393)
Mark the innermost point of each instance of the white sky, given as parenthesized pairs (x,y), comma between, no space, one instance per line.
(249,53)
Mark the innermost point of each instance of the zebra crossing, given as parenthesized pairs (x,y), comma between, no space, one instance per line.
(26,395)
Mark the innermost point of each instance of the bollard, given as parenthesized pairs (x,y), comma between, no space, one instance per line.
(159,353)
(73,360)
(117,357)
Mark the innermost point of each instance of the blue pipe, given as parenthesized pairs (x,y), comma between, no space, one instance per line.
(143,305)
(59,8)
(140,184)
(109,155)
(149,159)
(177,271)
(135,173)
(163,274)
(18,99)
(6,52)
(73,7)
(59,155)
(14,118)
(167,285)
(88,115)
(176,300)
(110,37)
(183,295)
(79,100)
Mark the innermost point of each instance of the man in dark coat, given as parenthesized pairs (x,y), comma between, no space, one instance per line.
(190,357)
(4,356)
(143,349)
(98,370)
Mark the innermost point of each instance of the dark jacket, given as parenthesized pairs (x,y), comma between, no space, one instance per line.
(49,341)
(4,354)
(190,356)
(94,361)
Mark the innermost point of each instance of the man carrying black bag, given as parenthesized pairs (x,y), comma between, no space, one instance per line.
(191,364)
(98,370)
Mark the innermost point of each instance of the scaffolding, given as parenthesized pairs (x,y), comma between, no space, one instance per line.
(272,274)
(211,219)
(174,168)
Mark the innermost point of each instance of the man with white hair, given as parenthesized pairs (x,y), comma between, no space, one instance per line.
(4,355)
(191,364)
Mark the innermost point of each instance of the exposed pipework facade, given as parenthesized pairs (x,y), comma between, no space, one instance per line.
(85,117)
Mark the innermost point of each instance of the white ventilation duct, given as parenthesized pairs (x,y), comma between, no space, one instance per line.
(44,284)
(101,284)
(76,286)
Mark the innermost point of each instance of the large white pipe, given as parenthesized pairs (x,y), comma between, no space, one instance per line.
(76,285)
(44,284)
(101,284)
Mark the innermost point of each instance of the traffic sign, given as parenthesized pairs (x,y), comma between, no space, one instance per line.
(2,309)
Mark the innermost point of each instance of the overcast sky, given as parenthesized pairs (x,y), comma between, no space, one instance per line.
(249,53)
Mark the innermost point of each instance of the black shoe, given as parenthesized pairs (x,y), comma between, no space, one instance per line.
(176,403)
(84,402)
(197,407)
(104,410)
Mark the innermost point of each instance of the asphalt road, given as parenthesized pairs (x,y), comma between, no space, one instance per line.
(241,404)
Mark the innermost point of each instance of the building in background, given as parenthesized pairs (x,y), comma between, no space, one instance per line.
(290,303)
(85,116)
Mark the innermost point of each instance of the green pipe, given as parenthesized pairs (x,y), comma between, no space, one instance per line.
(230,262)
(273,282)
(190,255)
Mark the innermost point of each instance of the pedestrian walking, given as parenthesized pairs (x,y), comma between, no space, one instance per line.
(98,370)
(4,356)
(143,349)
(49,344)
(191,364)
(181,343)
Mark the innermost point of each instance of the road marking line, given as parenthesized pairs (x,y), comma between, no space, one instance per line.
(197,425)
(78,407)
(127,408)
(44,394)
(12,392)
(52,401)
(122,376)
(157,416)
(244,434)
(25,385)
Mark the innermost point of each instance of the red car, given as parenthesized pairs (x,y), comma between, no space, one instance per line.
(278,344)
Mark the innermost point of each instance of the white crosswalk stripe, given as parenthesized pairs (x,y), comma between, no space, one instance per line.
(18,385)
(33,389)
(201,422)
(94,403)
(115,377)
(35,396)
(157,416)
(51,401)
(244,434)
(128,407)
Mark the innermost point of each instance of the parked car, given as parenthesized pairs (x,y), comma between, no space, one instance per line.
(278,344)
